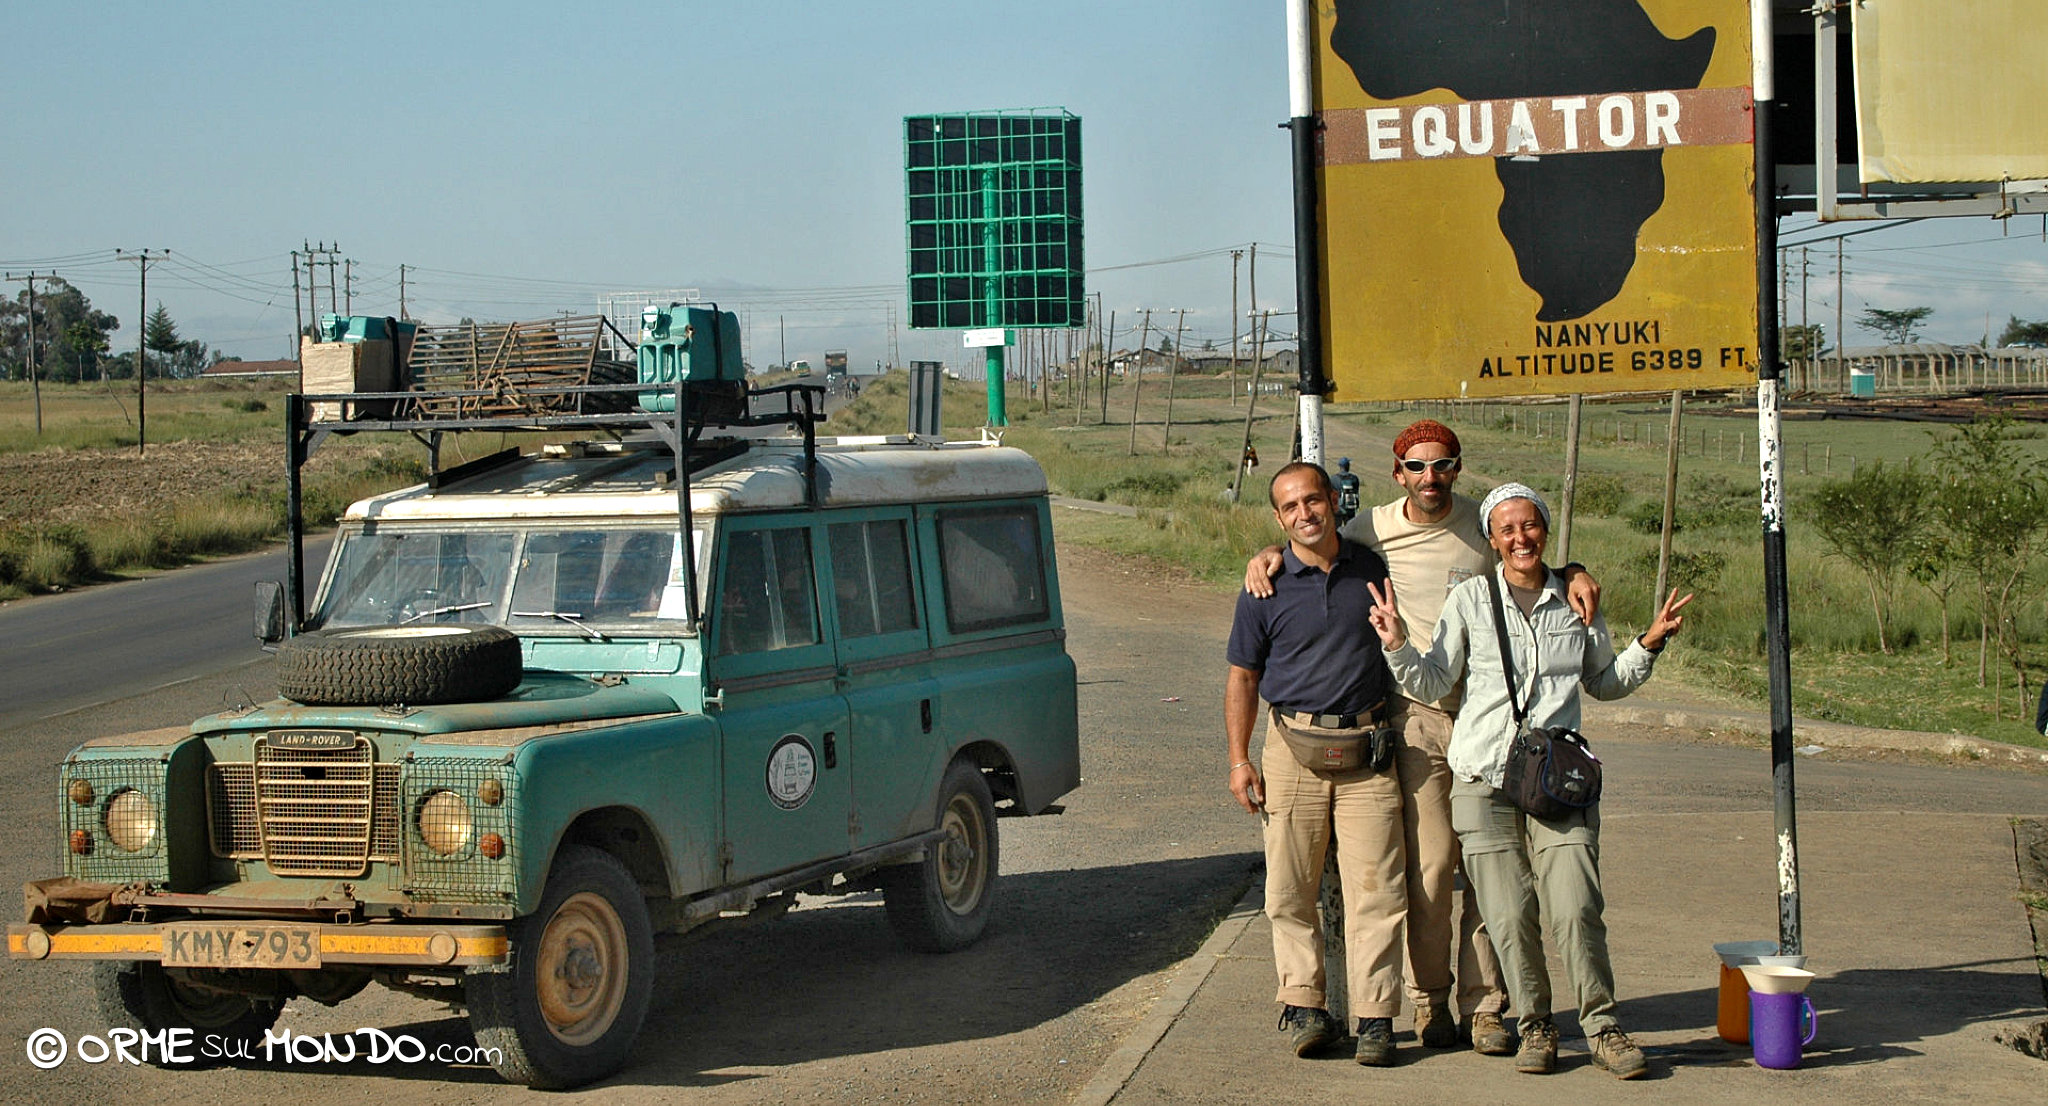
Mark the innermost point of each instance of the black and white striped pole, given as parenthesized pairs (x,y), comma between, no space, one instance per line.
(1308,283)
(1770,474)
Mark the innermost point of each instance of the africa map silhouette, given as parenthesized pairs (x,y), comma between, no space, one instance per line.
(1570,219)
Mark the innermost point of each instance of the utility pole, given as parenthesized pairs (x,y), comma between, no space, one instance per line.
(35,380)
(1253,268)
(298,318)
(1172,371)
(1251,402)
(1108,337)
(1234,256)
(1805,335)
(142,258)
(1840,363)
(348,286)
(782,333)
(1138,379)
(401,293)
(313,252)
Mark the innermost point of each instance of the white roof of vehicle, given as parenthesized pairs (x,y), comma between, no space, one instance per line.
(602,480)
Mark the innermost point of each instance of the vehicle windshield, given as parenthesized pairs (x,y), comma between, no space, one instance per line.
(571,582)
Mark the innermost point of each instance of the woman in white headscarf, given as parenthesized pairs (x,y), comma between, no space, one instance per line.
(1529,873)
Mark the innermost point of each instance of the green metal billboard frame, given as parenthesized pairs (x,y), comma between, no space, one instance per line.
(993,224)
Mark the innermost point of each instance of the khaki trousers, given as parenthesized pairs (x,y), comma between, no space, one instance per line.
(1433,856)
(1535,875)
(1361,811)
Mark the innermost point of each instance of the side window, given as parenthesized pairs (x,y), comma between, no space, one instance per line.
(766,601)
(989,560)
(871,578)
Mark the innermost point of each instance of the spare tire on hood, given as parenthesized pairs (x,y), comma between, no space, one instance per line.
(417,665)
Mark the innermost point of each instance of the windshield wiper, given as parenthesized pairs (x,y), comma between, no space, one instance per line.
(573,618)
(432,611)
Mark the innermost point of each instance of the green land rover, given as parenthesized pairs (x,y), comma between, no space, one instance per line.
(547,706)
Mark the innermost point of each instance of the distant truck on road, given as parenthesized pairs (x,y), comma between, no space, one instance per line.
(800,367)
(835,363)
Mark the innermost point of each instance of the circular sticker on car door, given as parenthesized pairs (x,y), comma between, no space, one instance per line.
(792,772)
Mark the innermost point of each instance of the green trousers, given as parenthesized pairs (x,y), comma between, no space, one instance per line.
(1534,876)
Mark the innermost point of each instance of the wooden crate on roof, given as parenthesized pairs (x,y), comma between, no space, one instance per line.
(482,369)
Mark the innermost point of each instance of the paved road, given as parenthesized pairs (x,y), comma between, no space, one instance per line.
(99,644)
(1097,906)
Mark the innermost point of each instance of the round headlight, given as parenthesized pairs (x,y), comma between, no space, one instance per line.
(444,822)
(131,820)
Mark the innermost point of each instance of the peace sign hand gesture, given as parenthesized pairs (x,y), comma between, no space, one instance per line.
(1666,622)
(1385,617)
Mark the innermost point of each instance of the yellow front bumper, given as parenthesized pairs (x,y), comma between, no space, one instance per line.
(424,944)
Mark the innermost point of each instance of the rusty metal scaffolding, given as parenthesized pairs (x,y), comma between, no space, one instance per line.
(466,370)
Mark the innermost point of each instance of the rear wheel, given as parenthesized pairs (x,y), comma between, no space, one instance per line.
(941,903)
(568,1008)
(147,996)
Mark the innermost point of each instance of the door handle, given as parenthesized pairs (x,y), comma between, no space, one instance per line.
(831,749)
(924,714)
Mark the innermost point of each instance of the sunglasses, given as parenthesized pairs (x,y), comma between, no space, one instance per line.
(1441,464)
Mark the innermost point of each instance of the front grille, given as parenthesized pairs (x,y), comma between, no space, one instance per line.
(306,810)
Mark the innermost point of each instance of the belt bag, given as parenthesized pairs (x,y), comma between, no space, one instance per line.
(1323,750)
(1551,772)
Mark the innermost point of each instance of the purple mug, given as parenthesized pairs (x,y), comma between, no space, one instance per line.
(1774,1028)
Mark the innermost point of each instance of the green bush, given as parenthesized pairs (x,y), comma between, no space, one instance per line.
(1694,570)
(1716,501)
(1597,493)
(1647,517)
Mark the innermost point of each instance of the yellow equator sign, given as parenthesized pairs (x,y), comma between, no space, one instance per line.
(1535,197)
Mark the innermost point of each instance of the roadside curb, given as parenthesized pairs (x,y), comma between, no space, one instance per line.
(1811,732)
(1116,1072)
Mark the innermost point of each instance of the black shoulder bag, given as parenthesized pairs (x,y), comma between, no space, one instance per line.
(1551,771)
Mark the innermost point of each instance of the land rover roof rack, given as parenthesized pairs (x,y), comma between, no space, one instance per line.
(610,409)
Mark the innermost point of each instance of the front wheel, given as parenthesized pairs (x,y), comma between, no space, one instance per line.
(941,903)
(147,996)
(566,1011)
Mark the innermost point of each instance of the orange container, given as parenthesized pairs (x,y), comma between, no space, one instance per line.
(1732,1019)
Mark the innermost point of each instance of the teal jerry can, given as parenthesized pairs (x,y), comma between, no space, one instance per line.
(702,345)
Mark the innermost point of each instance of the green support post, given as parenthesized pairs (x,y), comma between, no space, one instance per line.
(997,416)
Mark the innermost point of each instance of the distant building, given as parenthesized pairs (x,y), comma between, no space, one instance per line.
(238,370)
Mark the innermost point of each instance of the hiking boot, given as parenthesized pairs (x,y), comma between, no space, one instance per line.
(1487,1035)
(1614,1051)
(1313,1028)
(1538,1054)
(1435,1027)
(1376,1042)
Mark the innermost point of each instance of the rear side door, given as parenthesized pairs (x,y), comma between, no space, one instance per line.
(788,792)
(885,673)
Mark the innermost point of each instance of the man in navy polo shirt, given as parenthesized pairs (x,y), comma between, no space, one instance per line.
(1310,653)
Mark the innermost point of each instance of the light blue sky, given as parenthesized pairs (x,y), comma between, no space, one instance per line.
(527,158)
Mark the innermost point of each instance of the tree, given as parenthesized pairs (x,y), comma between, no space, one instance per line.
(1932,565)
(2019,332)
(1871,519)
(1991,501)
(160,334)
(1897,328)
(87,344)
(68,330)
(1804,343)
